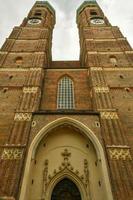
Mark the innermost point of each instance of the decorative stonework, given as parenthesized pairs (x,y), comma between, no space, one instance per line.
(12,154)
(96,68)
(35,69)
(66,165)
(87,177)
(30,89)
(101,89)
(68,169)
(109,115)
(66,154)
(119,153)
(45,178)
(23,117)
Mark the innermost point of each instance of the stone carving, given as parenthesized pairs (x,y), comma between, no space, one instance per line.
(101,89)
(87,177)
(67,168)
(119,153)
(109,115)
(65,165)
(22,117)
(12,154)
(45,179)
(30,89)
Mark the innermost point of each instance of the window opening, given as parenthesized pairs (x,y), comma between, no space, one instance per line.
(65,93)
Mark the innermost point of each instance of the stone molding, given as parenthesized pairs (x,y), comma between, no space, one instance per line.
(106,39)
(111,69)
(96,68)
(68,169)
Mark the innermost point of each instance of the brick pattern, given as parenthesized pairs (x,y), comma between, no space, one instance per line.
(20,94)
(81,89)
(99,85)
(97,45)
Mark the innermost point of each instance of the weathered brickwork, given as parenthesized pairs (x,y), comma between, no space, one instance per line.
(22,59)
(103,94)
(109,58)
(81,89)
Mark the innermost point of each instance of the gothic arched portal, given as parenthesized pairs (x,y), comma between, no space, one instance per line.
(65,190)
(66,150)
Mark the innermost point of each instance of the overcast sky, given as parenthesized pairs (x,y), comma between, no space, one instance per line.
(65,37)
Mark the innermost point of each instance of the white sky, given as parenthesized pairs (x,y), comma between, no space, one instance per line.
(65,37)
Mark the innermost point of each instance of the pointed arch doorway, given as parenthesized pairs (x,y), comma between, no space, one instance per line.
(66,190)
(66,148)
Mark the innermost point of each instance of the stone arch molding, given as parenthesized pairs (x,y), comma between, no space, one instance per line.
(66,170)
(87,133)
(73,177)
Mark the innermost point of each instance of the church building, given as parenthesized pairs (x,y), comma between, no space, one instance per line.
(66,127)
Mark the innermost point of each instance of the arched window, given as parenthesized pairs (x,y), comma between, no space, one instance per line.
(113,60)
(65,98)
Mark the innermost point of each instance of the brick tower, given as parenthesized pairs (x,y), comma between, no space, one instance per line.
(66,126)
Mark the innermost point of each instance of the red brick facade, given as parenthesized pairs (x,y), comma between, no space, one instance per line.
(103,93)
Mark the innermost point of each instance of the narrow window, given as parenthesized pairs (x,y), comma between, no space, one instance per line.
(65,99)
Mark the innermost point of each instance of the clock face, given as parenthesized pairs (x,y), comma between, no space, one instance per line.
(34,21)
(97,21)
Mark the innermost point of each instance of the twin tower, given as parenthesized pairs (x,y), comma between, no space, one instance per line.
(66,127)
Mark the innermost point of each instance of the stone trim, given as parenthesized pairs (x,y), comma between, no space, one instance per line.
(12,153)
(119,152)
(109,115)
(105,40)
(54,69)
(110,52)
(96,68)
(13,69)
(35,69)
(118,69)
(101,89)
(19,69)
(111,68)
(22,117)
(30,90)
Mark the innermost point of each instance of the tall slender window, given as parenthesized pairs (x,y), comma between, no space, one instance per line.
(65,98)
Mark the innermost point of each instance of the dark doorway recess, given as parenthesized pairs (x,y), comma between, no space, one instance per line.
(66,190)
